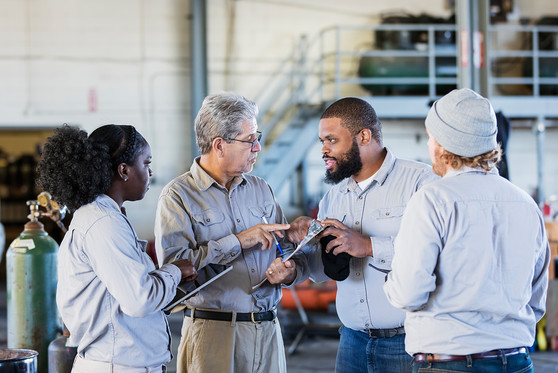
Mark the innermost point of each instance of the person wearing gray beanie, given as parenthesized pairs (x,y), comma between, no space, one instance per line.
(462,130)
(463,122)
(471,256)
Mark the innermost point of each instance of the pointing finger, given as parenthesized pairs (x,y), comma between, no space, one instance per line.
(275,227)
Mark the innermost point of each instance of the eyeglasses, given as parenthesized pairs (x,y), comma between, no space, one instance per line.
(253,143)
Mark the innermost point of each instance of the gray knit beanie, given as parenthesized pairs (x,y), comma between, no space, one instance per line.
(463,122)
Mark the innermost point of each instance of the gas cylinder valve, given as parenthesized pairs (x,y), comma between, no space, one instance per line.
(53,210)
(34,212)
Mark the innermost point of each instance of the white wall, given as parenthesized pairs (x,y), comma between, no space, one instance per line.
(131,57)
(128,56)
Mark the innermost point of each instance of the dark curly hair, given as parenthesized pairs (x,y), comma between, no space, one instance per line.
(75,169)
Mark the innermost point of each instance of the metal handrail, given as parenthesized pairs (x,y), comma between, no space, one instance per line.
(287,87)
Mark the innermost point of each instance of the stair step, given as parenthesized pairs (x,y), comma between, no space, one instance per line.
(279,160)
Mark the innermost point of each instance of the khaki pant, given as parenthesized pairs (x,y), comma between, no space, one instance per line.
(89,366)
(210,346)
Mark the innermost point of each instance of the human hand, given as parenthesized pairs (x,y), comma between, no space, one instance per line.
(281,273)
(299,229)
(187,269)
(261,233)
(347,240)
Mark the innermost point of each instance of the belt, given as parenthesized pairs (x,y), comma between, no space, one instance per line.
(91,366)
(255,317)
(384,333)
(482,355)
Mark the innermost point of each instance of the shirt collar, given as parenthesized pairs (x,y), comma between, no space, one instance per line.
(105,201)
(380,176)
(204,181)
(465,169)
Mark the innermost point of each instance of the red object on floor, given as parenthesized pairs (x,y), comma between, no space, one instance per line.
(313,296)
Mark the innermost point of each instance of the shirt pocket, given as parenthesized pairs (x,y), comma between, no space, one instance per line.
(210,224)
(265,209)
(389,212)
(208,217)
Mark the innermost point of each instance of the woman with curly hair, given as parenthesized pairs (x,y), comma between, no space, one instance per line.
(110,294)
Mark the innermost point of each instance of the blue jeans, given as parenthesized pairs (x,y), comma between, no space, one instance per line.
(520,363)
(360,353)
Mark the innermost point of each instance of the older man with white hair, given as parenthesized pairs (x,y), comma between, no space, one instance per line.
(213,214)
(471,258)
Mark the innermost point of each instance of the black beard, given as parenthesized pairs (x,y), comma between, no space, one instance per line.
(348,165)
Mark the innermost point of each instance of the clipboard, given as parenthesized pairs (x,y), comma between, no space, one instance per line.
(188,289)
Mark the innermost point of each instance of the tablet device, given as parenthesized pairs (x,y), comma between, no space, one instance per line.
(187,289)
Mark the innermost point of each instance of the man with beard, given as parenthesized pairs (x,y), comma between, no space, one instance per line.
(213,214)
(362,214)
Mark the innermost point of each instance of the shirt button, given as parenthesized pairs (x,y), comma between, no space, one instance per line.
(356,223)
(208,220)
(253,270)
(360,197)
(238,220)
(382,261)
(387,213)
(358,273)
(362,301)
(367,325)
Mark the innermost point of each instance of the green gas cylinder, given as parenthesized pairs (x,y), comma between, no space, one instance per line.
(31,272)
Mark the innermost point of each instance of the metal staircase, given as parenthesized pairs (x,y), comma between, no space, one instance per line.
(282,157)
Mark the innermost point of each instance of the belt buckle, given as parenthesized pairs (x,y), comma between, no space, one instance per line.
(252,318)
(390,333)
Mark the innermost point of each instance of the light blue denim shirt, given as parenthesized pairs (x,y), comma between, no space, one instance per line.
(197,219)
(471,265)
(375,212)
(109,293)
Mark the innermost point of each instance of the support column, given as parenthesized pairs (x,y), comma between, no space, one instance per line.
(472,22)
(540,131)
(198,56)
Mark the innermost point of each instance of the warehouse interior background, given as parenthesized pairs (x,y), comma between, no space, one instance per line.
(130,62)
(92,63)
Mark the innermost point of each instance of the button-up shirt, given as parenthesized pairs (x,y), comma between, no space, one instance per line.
(109,293)
(197,219)
(470,265)
(375,212)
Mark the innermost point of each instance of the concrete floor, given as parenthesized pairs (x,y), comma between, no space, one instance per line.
(315,354)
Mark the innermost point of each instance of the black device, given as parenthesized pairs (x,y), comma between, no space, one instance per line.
(336,267)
